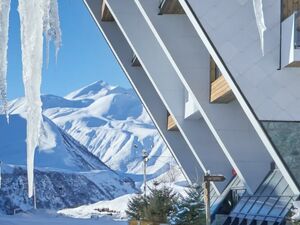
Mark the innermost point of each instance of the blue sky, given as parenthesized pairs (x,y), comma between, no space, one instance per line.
(83,58)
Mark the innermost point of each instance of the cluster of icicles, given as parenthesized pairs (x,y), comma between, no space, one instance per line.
(38,19)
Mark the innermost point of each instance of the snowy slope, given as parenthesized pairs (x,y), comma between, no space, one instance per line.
(59,189)
(65,170)
(57,149)
(109,121)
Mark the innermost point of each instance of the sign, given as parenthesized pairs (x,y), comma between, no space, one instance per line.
(214,178)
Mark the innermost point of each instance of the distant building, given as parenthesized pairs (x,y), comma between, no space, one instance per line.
(223,92)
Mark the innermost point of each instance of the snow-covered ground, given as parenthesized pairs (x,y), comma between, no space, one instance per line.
(51,218)
(116,207)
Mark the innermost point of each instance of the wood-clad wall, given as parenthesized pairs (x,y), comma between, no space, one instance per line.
(288,7)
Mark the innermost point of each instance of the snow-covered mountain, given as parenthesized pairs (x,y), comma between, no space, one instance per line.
(65,170)
(59,189)
(92,139)
(111,123)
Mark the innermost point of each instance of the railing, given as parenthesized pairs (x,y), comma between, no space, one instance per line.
(170,7)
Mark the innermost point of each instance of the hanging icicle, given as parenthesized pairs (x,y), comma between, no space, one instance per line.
(260,21)
(52,29)
(37,17)
(4,24)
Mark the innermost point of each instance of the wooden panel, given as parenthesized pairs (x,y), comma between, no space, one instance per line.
(171,126)
(170,7)
(220,91)
(288,7)
(105,13)
(294,64)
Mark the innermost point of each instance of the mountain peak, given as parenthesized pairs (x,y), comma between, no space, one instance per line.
(98,87)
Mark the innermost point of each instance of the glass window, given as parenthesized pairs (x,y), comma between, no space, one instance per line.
(280,206)
(268,205)
(241,204)
(248,205)
(258,205)
(286,138)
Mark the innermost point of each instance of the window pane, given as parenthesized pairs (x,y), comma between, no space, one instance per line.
(285,136)
(240,205)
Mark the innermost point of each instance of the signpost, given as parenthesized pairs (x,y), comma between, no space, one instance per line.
(207,179)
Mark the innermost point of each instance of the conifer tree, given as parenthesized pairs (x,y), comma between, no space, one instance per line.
(161,202)
(156,207)
(136,207)
(190,210)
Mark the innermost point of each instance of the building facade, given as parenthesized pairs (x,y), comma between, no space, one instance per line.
(220,80)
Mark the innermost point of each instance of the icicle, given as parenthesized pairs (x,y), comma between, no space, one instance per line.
(31,19)
(36,17)
(4,24)
(52,29)
(259,16)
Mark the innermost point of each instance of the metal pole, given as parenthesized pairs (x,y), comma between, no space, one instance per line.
(145,157)
(207,202)
(207,196)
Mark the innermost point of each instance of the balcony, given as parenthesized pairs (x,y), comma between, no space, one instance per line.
(220,92)
(171,126)
(170,7)
(290,41)
(135,61)
(105,13)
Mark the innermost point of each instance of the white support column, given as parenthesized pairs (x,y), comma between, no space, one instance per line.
(147,94)
(169,87)
(229,124)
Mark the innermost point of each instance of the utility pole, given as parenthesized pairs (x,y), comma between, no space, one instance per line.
(145,159)
(207,179)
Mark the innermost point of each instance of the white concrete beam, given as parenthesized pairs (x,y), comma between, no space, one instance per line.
(147,94)
(228,122)
(170,88)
